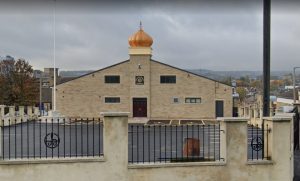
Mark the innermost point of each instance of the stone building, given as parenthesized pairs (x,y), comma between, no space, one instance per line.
(146,88)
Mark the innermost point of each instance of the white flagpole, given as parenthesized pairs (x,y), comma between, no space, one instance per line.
(54,57)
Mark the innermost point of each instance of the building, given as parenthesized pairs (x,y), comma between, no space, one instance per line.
(45,79)
(145,88)
(6,64)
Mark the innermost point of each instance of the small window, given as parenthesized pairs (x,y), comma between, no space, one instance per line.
(193,100)
(112,100)
(112,79)
(168,79)
(175,100)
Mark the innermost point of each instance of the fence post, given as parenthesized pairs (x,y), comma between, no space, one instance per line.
(29,112)
(280,146)
(36,112)
(12,112)
(21,112)
(223,133)
(115,144)
(234,143)
(2,111)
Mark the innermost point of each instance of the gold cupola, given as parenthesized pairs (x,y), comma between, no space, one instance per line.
(140,43)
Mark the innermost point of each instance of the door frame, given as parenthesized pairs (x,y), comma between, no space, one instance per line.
(132,105)
(216,107)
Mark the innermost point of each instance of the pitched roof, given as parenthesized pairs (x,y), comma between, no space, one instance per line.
(151,60)
(190,72)
(93,72)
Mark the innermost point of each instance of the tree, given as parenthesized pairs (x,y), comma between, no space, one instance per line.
(242,93)
(18,86)
(257,84)
(227,80)
(243,81)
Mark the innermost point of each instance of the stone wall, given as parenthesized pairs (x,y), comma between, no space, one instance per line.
(114,165)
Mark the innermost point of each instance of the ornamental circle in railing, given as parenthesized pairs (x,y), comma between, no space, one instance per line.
(52,140)
(257,143)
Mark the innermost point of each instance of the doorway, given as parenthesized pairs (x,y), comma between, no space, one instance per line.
(139,107)
(219,108)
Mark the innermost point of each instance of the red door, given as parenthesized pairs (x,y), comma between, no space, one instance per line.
(139,107)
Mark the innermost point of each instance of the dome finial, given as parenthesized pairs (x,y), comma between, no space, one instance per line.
(141,25)
(140,38)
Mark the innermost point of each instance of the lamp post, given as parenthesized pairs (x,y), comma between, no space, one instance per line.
(266,56)
(294,83)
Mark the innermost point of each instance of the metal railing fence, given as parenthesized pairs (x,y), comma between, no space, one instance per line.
(51,138)
(173,143)
(258,138)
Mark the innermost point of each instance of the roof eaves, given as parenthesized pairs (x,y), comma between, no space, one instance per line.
(94,72)
(190,72)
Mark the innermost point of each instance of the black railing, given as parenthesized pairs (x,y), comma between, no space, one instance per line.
(173,143)
(51,138)
(258,138)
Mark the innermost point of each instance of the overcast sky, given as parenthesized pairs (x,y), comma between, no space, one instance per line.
(90,36)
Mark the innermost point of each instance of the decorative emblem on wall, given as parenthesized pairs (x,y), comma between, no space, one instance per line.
(139,80)
(51,140)
(257,143)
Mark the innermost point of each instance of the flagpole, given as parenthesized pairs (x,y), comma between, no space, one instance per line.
(54,57)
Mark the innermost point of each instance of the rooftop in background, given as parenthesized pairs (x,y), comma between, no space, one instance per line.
(216,75)
(66,74)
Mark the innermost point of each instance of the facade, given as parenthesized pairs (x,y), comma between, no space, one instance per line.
(45,79)
(145,88)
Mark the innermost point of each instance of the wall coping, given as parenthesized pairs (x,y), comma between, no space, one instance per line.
(164,165)
(233,119)
(260,162)
(52,160)
(114,114)
(278,119)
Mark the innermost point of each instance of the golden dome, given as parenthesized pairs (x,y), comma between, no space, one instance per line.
(140,39)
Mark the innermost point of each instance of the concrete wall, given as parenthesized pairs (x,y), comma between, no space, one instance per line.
(114,166)
(85,96)
(13,118)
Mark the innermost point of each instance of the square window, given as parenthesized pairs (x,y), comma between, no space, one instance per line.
(193,100)
(112,79)
(112,99)
(175,100)
(168,79)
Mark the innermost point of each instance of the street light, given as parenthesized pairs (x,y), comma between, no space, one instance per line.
(294,83)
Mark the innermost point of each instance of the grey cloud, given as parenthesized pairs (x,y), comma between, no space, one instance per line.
(209,39)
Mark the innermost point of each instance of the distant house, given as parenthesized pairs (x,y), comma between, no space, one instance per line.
(289,87)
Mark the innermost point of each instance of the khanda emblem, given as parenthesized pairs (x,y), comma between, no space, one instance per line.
(257,143)
(51,140)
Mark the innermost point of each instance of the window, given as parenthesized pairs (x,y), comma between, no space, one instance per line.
(139,80)
(168,79)
(112,100)
(175,100)
(193,100)
(112,79)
